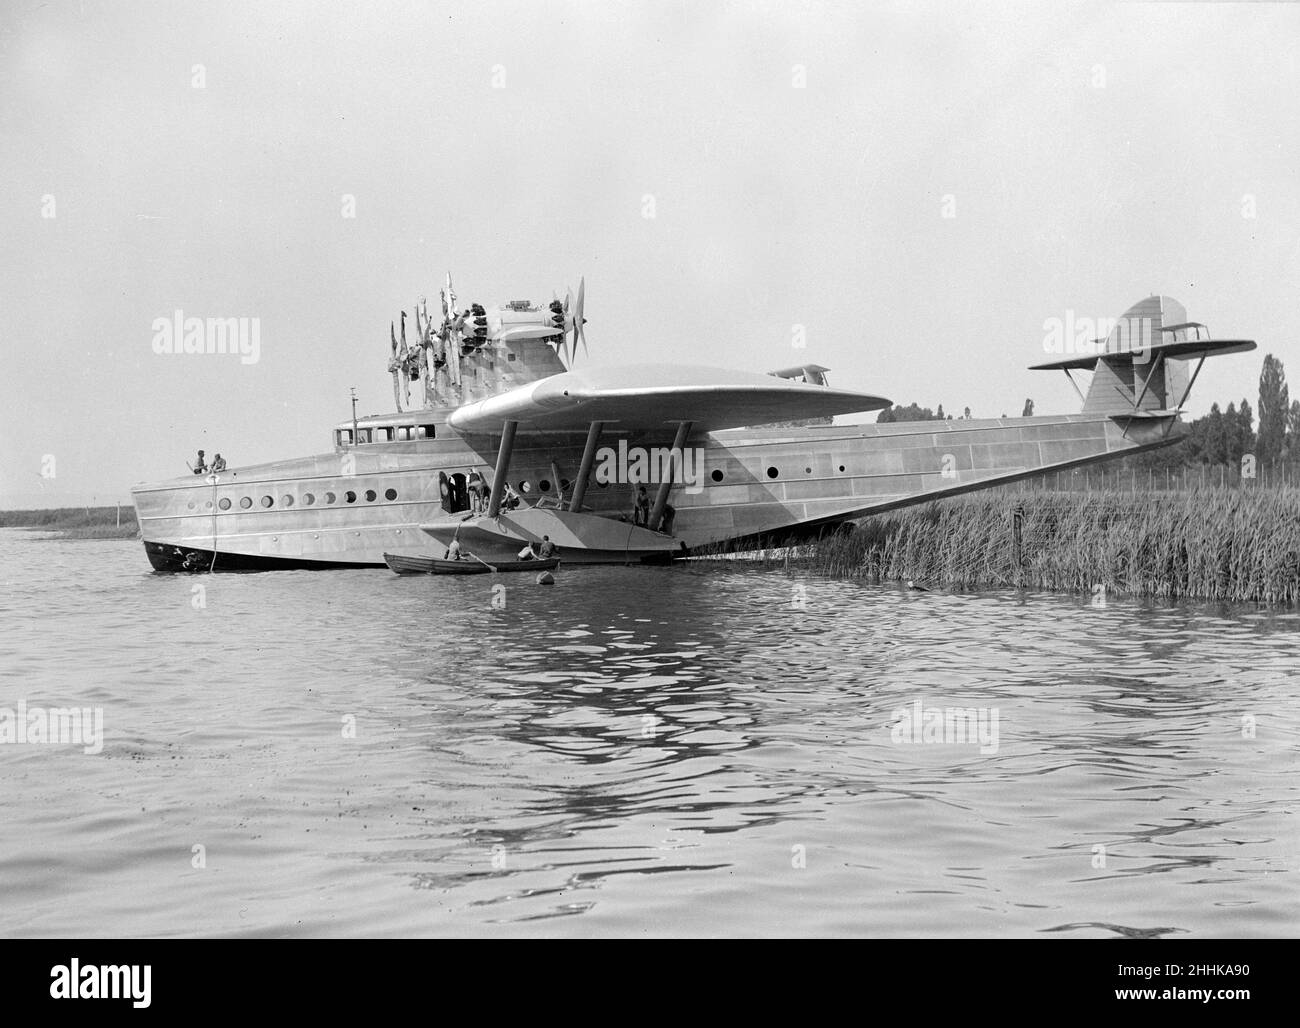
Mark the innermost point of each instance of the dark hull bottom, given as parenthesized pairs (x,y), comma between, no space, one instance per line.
(792,535)
(168,559)
(171,560)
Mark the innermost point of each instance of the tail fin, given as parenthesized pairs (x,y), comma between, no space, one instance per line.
(1141,368)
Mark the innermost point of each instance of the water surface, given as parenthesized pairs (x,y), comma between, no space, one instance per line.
(647,751)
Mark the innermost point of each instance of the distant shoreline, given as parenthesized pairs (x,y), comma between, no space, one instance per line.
(76,522)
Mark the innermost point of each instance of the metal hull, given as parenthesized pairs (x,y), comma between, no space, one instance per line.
(756,485)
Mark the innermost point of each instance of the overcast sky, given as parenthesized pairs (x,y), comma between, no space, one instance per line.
(198,157)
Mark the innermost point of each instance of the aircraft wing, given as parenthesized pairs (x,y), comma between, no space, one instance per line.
(653,396)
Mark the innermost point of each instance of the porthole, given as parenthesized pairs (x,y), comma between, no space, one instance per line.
(717,475)
(224,503)
(350,496)
(286,500)
(370,496)
(544,485)
(190,505)
(841,467)
(772,472)
(208,505)
(267,501)
(390,494)
(807,471)
(525,486)
(308,499)
(330,497)
(245,502)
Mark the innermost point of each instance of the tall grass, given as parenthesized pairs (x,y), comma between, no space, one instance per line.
(1215,544)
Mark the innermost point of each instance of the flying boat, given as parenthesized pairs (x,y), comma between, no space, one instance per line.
(515,439)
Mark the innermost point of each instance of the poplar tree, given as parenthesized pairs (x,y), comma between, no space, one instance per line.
(1274,410)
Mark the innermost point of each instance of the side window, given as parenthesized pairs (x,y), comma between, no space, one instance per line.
(363,435)
(425,432)
(344,436)
(383,434)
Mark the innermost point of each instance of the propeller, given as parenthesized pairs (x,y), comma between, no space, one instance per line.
(578,320)
(451,332)
(394,365)
(404,357)
(573,322)
(425,326)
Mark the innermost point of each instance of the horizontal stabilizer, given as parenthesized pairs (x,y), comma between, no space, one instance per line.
(1188,349)
(1139,369)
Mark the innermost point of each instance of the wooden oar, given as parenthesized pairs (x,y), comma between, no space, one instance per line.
(484,563)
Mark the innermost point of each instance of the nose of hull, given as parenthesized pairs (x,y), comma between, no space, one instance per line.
(169,560)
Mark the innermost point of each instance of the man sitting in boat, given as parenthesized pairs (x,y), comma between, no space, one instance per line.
(528,553)
(218,463)
(641,515)
(453,550)
(548,549)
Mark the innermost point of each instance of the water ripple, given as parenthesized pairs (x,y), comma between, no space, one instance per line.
(637,751)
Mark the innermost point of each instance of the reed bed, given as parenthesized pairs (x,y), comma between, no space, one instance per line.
(1214,544)
(75,522)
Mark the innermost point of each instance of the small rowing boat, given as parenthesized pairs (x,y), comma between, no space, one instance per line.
(409,564)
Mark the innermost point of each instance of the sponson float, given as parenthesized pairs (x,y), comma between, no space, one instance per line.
(564,451)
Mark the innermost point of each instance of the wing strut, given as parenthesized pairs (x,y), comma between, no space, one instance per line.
(661,497)
(502,467)
(584,471)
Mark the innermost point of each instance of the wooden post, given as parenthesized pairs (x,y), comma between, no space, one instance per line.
(1017,517)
